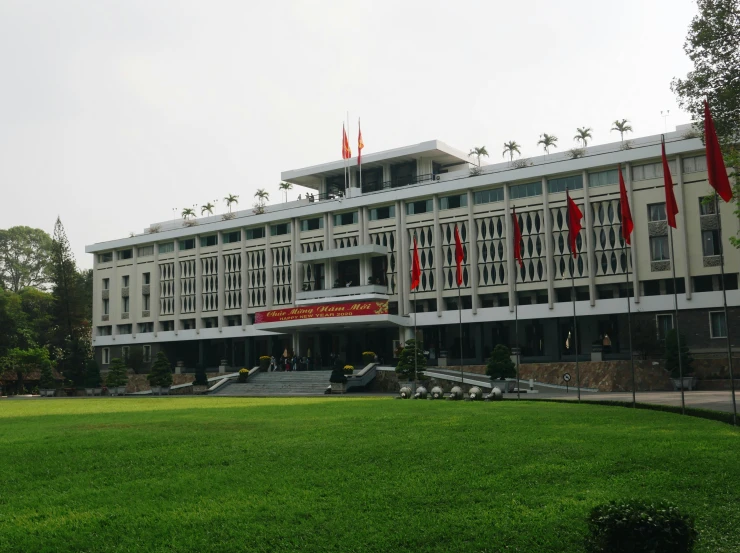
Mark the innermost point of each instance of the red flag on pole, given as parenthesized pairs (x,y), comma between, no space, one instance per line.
(415,268)
(671,207)
(716,171)
(624,207)
(517,239)
(346,152)
(459,256)
(360,144)
(574,224)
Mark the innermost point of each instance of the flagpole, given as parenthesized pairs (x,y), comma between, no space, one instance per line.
(349,167)
(517,353)
(459,315)
(416,344)
(572,267)
(724,305)
(629,319)
(359,152)
(678,332)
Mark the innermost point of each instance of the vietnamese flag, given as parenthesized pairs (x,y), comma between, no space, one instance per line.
(716,171)
(517,239)
(671,207)
(624,207)
(346,152)
(459,256)
(360,143)
(415,267)
(574,224)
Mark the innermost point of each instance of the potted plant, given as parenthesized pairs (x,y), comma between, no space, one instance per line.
(46,380)
(243,375)
(671,362)
(500,366)
(200,384)
(160,377)
(348,369)
(338,381)
(264,362)
(406,365)
(117,377)
(92,378)
(368,357)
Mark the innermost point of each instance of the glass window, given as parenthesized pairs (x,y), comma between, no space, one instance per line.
(573,182)
(603,178)
(652,170)
(312,224)
(255,233)
(124,352)
(145,251)
(106,284)
(279,230)
(124,329)
(187,244)
(147,353)
(664,324)
(717,324)
(124,281)
(656,212)
(659,248)
(694,164)
(710,242)
(453,202)
(126,254)
(707,205)
(167,247)
(106,356)
(104,331)
(106,307)
(387,212)
(146,278)
(208,241)
(106,257)
(145,302)
(125,304)
(342,219)
(232,237)
(422,206)
(525,190)
(488,196)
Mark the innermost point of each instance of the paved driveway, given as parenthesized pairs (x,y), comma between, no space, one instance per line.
(714,400)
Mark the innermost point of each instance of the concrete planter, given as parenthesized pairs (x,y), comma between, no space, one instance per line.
(338,387)
(199,389)
(89,391)
(686,383)
(98,391)
(156,390)
(164,391)
(121,390)
(47,393)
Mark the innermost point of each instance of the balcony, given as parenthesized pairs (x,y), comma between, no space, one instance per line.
(337,254)
(397,183)
(343,293)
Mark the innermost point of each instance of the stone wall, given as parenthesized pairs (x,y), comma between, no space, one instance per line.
(139,383)
(606,376)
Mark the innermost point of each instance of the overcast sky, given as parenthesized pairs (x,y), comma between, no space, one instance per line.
(112,113)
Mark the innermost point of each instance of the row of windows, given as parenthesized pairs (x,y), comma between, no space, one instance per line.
(717,324)
(125,350)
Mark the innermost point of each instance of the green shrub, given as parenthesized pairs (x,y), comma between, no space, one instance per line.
(264,361)
(671,354)
(368,357)
(201,378)
(161,373)
(46,379)
(243,375)
(92,374)
(117,375)
(405,365)
(500,364)
(637,527)
(337,376)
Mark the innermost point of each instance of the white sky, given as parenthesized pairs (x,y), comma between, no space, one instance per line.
(112,113)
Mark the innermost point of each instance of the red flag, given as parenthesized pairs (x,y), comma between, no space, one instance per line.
(360,143)
(346,152)
(574,224)
(671,207)
(459,256)
(517,239)
(716,171)
(415,268)
(624,206)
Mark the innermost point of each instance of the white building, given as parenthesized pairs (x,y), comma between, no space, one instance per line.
(222,288)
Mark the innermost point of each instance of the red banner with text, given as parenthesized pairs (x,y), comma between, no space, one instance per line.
(349,309)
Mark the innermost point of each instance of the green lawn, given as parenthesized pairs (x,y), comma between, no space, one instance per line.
(343,474)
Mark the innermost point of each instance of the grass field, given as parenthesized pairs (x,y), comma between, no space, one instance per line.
(341,474)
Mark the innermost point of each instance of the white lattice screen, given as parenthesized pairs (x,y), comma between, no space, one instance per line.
(282,275)
(491,244)
(387,238)
(166,288)
(425,246)
(257,277)
(187,286)
(532,227)
(449,267)
(611,258)
(232,281)
(209,283)
(561,251)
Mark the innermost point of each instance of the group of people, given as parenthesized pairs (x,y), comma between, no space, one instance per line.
(290,363)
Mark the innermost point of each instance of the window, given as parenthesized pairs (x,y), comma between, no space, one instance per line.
(187,324)
(232,237)
(125,281)
(717,324)
(106,257)
(166,325)
(525,190)
(349,218)
(453,202)
(378,213)
(255,233)
(707,206)
(104,330)
(145,251)
(145,302)
(125,350)
(656,212)
(147,353)
(126,254)
(146,327)
(710,242)
(659,248)
(187,244)
(124,329)
(312,224)
(422,206)
(652,170)
(168,247)
(573,182)
(208,241)
(279,230)
(106,284)
(488,196)
(106,356)
(664,324)
(106,307)
(124,304)
(603,178)
(694,164)
(146,278)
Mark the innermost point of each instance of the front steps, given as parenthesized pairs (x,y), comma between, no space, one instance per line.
(294,383)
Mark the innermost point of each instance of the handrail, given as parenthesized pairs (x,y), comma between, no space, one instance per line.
(398,182)
(362,378)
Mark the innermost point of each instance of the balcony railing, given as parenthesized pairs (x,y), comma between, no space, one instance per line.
(398,182)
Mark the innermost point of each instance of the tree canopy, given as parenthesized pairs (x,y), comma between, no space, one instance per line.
(25,255)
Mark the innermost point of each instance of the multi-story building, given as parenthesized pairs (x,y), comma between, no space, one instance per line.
(330,273)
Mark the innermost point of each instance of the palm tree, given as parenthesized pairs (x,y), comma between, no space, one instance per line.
(548,141)
(231,199)
(285,186)
(582,135)
(208,207)
(622,127)
(478,152)
(262,196)
(510,148)
(187,213)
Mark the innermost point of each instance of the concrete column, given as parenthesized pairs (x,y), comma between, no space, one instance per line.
(328,245)
(245,281)
(627,174)
(472,254)
(221,279)
(590,255)
(268,268)
(177,287)
(134,293)
(114,302)
(511,272)
(155,291)
(386,172)
(404,277)
(438,260)
(682,242)
(549,264)
(364,260)
(199,287)
(294,248)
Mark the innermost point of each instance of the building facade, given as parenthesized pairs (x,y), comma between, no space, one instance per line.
(329,274)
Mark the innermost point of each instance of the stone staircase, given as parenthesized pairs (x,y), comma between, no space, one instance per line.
(295,383)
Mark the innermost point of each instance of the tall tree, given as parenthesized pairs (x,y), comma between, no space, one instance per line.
(231,199)
(285,186)
(582,135)
(262,196)
(478,152)
(25,254)
(509,148)
(187,213)
(548,141)
(207,208)
(622,127)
